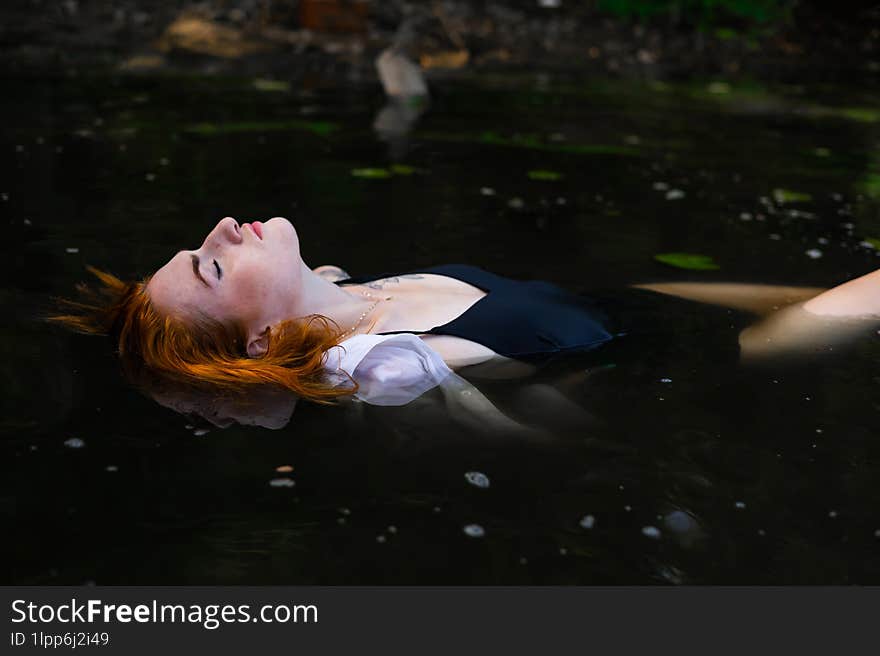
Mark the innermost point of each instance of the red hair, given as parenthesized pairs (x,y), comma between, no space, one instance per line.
(157,348)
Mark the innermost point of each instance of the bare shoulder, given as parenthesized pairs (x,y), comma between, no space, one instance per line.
(331,272)
(479,360)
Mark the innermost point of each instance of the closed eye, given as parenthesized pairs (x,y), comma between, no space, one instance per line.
(219,270)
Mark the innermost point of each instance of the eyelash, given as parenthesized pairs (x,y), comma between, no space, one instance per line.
(219,271)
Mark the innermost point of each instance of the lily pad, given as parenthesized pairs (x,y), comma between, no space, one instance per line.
(372,173)
(262,84)
(402,169)
(789,196)
(549,176)
(692,261)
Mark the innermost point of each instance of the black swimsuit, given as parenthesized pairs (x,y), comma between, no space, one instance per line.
(517,318)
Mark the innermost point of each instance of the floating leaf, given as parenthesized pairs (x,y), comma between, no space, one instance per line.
(693,261)
(549,176)
(262,84)
(321,128)
(371,173)
(402,169)
(789,196)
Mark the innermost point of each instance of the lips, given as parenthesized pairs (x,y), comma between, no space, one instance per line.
(256,227)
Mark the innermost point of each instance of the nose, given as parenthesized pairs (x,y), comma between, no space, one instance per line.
(227,231)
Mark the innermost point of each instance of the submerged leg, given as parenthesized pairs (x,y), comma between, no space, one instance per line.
(758,299)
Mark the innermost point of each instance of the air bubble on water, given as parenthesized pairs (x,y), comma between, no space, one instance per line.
(282,482)
(745,216)
(164,161)
(832,514)
(149,177)
(340,520)
(627,508)
(651,532)
(199,432)
(27,222)
(660,186)
(487,191)
(774,236)
(71,249)
(437,509)
(474,531)
(563,551)
(516,203)
(822,240)
(588,522)
(665,380)
(813,253)
(380,539)
(477,479)
(392,529)
(111,468)
(344,511)
(740,505)
(523,561)
(674,194)
(74,443)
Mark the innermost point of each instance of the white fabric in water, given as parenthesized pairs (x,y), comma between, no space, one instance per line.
(389,369)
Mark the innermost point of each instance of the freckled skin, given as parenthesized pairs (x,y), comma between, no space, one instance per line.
(259,282)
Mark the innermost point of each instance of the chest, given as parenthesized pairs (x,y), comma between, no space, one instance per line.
(421,301)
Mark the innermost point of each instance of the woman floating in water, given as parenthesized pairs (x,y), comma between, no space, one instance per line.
(244,310)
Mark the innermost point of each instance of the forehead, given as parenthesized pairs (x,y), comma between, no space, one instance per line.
(174,288)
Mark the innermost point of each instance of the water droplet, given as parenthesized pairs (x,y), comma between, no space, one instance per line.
(588,522)
(477,479)
(74,443)
(474,531)
(651,532)
(282,482)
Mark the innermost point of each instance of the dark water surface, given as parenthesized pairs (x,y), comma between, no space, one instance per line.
(690,467)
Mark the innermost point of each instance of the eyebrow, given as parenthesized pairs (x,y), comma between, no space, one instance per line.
(195,262)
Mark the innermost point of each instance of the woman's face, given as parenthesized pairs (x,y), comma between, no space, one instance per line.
(245,274)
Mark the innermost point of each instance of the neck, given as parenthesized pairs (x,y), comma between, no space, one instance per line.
(320,296)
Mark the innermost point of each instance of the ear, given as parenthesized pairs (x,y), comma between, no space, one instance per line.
(258,344)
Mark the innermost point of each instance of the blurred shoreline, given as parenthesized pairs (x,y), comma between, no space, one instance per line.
(339,40)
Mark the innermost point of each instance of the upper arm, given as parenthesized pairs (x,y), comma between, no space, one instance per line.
(481,360)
